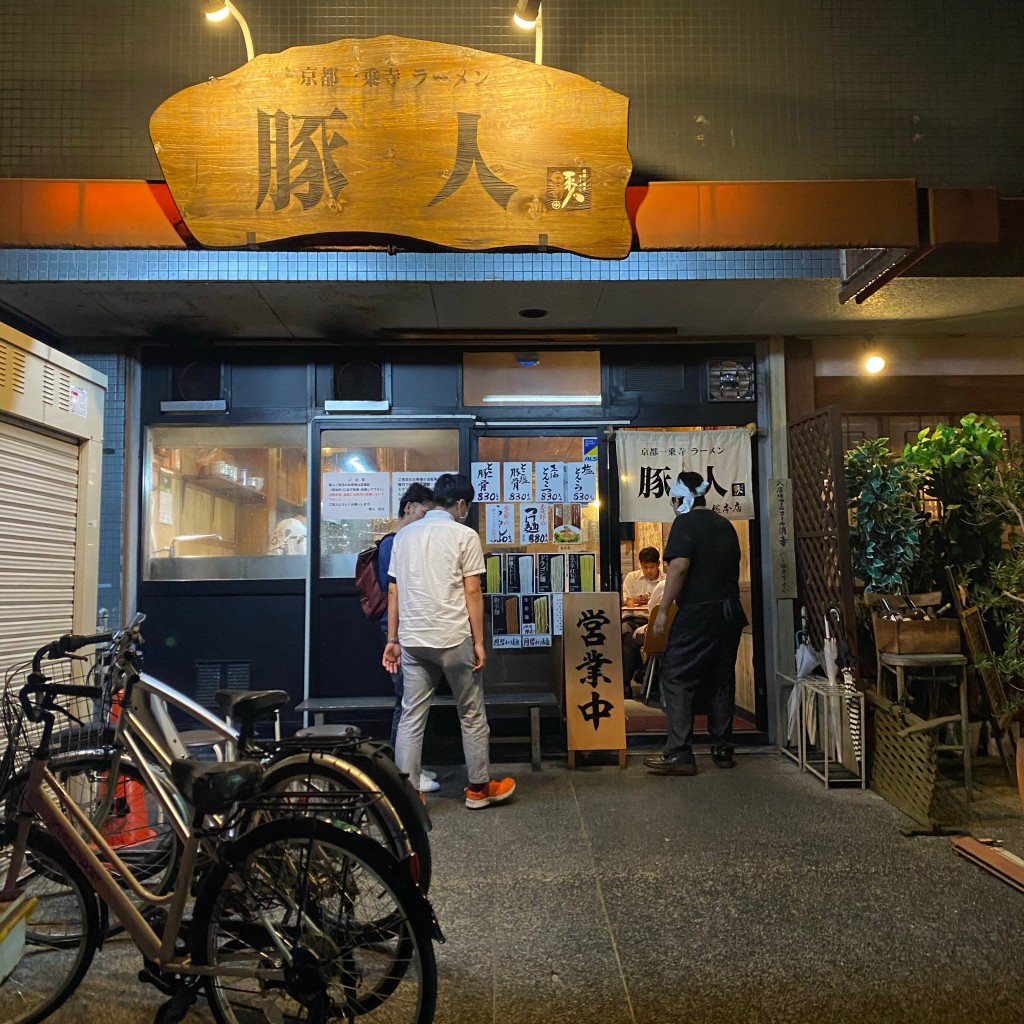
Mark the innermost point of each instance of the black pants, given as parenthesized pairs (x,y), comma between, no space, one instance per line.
(701,654)
(631,660)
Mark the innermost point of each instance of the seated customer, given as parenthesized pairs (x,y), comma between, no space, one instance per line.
(637,587)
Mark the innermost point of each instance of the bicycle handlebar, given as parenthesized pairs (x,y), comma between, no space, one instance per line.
(66,644)
(34,712)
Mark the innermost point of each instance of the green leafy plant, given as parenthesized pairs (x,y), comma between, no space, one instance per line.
(954,462)
(882,490)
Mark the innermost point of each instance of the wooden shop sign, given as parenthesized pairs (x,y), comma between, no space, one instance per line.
(456,147)
(595,714)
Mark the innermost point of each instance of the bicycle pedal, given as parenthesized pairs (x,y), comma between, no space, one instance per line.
(175,1009)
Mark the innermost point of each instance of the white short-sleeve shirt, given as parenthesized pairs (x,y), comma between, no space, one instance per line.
(429,562)
(636,583)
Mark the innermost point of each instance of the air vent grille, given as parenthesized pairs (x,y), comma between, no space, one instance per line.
(359,381)
(731,380)
(211,676)
(196,382)
(64,391)
(49,384)
(655,377)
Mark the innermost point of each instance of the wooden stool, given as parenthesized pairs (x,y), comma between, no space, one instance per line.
(900,664)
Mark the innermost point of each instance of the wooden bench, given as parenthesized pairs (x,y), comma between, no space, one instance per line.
(320,707)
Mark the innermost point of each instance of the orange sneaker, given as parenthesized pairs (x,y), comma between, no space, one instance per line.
(493,792)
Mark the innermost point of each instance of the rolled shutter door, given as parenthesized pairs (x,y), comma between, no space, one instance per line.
(39,481)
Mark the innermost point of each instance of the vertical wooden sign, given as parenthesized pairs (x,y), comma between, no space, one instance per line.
(780,529)
(595,712)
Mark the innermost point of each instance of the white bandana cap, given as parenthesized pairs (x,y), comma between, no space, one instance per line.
(685,495)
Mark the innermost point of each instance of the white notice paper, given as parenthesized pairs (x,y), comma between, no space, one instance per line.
(355,496)
(486,480)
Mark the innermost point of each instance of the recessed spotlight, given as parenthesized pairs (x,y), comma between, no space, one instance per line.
(875,364)
(533,314)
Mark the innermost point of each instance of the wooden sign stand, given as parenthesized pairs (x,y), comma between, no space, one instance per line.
(595,714)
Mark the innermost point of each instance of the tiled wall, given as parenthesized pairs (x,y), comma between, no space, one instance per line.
(719,89)
(112,493)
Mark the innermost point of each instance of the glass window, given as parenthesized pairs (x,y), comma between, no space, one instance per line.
(225,503)
(544,378)
(363,473)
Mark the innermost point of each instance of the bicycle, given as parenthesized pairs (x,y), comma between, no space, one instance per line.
(297,919)
(137,750)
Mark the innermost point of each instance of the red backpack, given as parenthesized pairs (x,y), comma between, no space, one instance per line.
(373,595)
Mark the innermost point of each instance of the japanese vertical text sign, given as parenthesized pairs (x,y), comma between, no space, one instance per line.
(783,538)
(650,461)
(457,147)
(595,714)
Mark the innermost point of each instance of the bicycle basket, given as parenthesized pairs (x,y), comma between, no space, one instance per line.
(21,737)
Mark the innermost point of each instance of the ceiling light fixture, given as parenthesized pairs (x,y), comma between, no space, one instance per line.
(527,16)
(218,10)
(533,314)
(875,363)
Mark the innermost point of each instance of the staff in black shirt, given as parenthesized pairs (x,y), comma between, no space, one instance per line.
(703,556)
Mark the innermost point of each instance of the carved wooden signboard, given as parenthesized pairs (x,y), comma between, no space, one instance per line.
(460,148)
(595,717)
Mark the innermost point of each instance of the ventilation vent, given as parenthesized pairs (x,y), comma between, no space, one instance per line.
(654,377)
(16,358)
(64,391)
(359,381)
(731,380)
(49,384)
(196,382)
(211,676)
(3,367)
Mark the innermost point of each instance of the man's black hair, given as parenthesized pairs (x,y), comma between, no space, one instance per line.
(417,494)
(451,488)
(693,481)
(648,555)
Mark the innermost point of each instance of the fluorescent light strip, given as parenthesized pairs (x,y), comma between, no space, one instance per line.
(543,399)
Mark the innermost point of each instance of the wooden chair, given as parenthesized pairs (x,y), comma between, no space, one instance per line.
(653,650)
(938,668)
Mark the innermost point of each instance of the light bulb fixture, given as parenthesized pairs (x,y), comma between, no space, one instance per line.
(875,363)
(527,13)
(218,10)
(527,16)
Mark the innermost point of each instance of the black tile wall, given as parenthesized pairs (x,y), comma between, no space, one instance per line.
(719,89)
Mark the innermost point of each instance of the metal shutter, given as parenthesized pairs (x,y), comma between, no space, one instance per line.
(39,481)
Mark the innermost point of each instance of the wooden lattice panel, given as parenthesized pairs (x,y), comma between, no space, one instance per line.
(825,575)
(903,768)
(978,645)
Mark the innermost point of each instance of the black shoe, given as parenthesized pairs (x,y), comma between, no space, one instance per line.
(660,765)
(722,756)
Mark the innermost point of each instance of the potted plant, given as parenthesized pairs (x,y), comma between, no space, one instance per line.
(882,491)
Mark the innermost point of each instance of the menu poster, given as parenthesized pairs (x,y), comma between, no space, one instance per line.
(550,481)
(536,621)
(492,582)
(565,527)
(520,572)
(556,614)
(486,480)
(518,481)
(505,622)
(355,496)
(401,482)
(581,482)
(550,574)
(501,524)
(582,573)
(533,524)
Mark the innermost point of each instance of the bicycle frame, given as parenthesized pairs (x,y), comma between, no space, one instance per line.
(60,817)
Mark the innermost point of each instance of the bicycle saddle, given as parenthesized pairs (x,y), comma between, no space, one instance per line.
(211,787)
(246,706)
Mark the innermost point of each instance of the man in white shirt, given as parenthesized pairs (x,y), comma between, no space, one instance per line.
(436,626)
(637,588)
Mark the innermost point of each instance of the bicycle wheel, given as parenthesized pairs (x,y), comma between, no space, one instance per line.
(128,813)
(402,796)
(315,923)
(62,935)
(306,785)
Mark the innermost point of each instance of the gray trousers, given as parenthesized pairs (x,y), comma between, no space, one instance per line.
(422,668)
